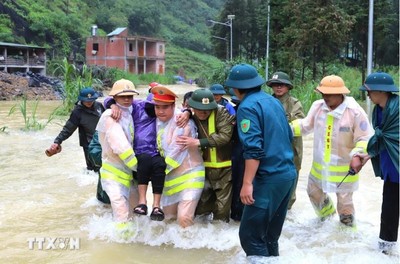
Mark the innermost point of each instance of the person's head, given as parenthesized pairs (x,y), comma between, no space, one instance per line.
(122,92)
(164,102)
(87,96)
(244,78)
(186,97)
(379,86)
(280,83)
(218,91)
(234,98)
(333,89)
(202,102)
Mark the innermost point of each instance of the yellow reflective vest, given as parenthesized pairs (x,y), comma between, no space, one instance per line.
(338,135)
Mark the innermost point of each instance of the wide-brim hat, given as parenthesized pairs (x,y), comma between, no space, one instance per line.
(202,99)
(88,94)
(244,76)
(217,89)
(379,81)
(280,78)
(332,84)
(123,87)
(163,96)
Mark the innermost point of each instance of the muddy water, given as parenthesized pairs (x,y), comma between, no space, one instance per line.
(50,199)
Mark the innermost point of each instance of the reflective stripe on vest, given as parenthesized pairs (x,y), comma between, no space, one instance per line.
(184,182)
(108,171)
(214,163)
(129,158)
(296,128)
(172,163)
(362,145)
(336,173)
(328,138)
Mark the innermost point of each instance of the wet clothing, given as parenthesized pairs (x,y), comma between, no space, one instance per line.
(383,147)
(151,168)
(215,135)
(85,119)
(338,135)
(224,102)
(118,161)
(266,136)
(294,110)
(184,181)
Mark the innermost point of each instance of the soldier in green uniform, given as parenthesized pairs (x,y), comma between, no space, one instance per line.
(281,86)
(215,128)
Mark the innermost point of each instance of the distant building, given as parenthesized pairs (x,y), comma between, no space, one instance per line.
(22,58)
(135,54)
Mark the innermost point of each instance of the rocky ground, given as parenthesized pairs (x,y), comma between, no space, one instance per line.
(14,87)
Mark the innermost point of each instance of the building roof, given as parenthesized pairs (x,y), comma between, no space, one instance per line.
(19,45)
(116,31)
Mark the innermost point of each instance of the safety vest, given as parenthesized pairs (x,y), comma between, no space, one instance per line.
(108,171)
(191,180)
(214,163)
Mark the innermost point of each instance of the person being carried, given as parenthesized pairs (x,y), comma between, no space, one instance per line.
(118,157)
(281,86)
(184,181)
(341,130)
(383,150)
(151,166)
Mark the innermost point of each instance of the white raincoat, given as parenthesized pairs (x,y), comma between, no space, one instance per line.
(338,135)
(118,161)
(184,181)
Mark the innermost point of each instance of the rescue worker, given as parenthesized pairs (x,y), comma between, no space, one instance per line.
(215,128)
(118,157)
(269,174)
(281,86)
(184,181)
(84,116)
(341,130)
(383,150)
(218,91)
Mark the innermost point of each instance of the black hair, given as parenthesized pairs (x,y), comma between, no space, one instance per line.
(187,96)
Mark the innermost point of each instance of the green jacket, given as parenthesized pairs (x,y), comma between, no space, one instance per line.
(221,139)
(386,136)
(294,110)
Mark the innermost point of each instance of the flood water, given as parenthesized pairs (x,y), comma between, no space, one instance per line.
(53,198)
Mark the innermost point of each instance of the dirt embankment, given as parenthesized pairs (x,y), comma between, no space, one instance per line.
(15,87)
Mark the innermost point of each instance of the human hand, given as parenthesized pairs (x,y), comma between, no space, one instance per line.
(187,142)
(356,163)
(364,157)
(115,112)
(55,147)
(246,194)
(182,119)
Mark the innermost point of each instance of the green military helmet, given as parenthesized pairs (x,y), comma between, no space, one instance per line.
(202,99)
(217,89)
(244,76)
(379,81)
(280,78)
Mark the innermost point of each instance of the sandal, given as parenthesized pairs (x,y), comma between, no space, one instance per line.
(157,214)
(140,209)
